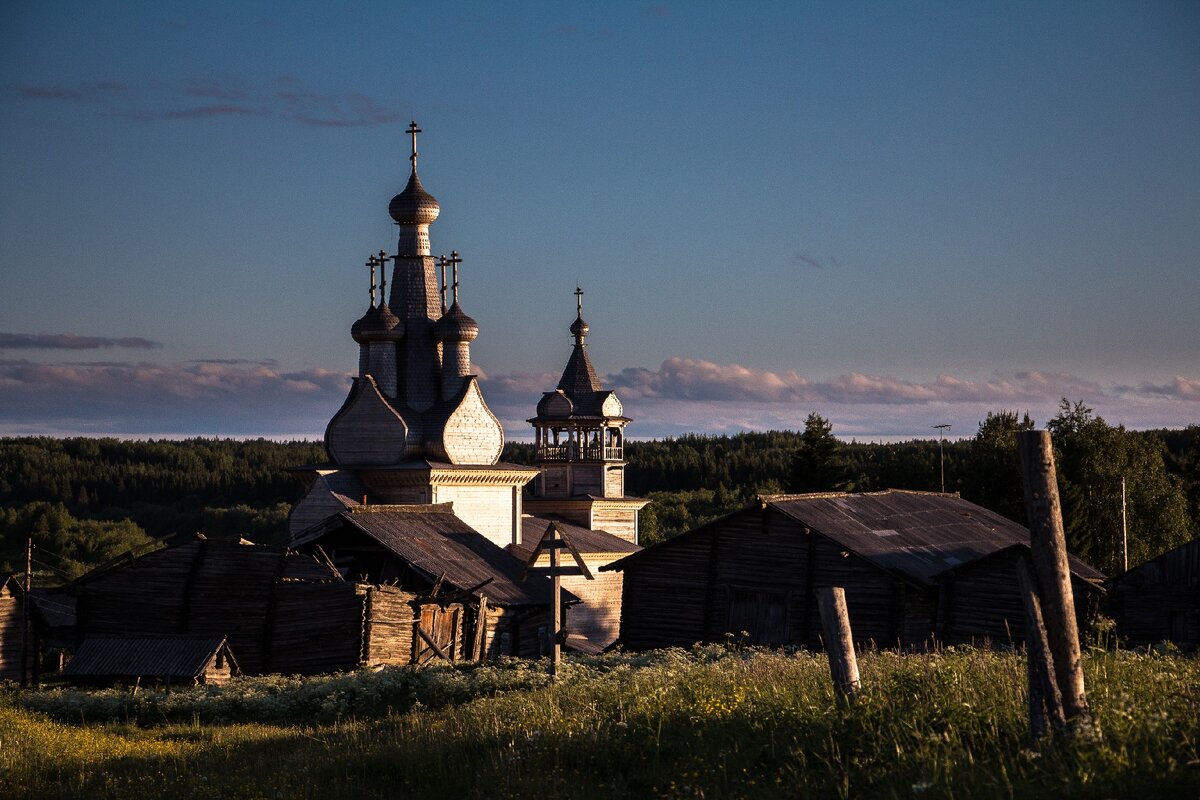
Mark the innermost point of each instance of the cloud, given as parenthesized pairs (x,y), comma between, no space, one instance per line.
(285,98)
(68,341)
(203,397)
(79,92)
(1187,389)
(691,395)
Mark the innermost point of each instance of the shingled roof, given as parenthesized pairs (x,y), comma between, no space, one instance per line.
(435,542)
(918,534)
(585,541)
(144,658)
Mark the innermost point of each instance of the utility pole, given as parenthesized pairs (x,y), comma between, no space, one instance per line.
(941,429)
(25,614)
(1124,531)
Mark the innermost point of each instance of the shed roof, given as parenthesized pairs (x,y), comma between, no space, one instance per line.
(435,542)
(585,541)
(919,534)
(146,658)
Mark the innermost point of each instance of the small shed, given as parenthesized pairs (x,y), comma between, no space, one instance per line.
(917,567)
(174,661)
(1160,600)
(429,551)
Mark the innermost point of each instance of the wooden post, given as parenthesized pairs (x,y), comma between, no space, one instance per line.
(25,613)
(839,642)
(480,628)
(1044,697)
(1049,545)
(555,613)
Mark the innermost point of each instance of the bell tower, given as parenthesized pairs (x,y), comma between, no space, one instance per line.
(579,434)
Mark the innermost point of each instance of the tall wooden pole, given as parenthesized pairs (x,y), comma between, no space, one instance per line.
(839,642)
(25,613)
(1044,697)
(1049,545)
(556,609)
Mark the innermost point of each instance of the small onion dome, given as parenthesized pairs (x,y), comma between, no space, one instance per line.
(455,326)
(377,325)
(579,327)
(414,206)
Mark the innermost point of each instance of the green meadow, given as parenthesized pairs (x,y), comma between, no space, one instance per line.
(712,722)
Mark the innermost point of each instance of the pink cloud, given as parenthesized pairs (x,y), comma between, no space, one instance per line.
(69,341)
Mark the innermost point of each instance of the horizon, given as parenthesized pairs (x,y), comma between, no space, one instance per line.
(895,217)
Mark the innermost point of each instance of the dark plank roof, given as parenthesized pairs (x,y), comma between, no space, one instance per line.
(584,540)
(57,609)
(434,541)
(148,658)
(918,534)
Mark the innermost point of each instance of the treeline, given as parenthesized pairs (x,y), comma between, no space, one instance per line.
(86,500)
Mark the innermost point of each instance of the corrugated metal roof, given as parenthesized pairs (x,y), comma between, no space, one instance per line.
(147,658)
(918,534)
(436,542)
(585,541)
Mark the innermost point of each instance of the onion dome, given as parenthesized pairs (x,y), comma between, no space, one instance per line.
(455,326)
(377,325)
(414,206)
(579,328)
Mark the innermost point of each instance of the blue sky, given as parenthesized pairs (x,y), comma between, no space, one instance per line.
(893,214)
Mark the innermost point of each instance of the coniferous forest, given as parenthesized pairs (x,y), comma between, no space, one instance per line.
(85,501)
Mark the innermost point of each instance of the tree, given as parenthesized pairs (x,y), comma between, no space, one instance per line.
(1092,457)
(993,474)
(817,465)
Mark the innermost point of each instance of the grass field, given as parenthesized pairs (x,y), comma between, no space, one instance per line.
(711,722)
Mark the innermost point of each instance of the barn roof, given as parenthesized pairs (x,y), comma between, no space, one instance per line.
(919,534)
(146,658)
(585,541)
(435,542)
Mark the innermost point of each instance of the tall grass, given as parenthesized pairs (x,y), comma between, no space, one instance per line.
(707,723)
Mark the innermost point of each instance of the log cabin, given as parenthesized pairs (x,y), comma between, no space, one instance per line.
(917,568)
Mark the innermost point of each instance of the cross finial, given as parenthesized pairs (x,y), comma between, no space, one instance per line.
(413,130)
(578,302)
(454,262)
(383,259)
(442,262)
(371,262)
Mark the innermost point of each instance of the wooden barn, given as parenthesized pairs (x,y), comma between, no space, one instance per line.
(916,567)
(174,662)
(1160,600)
(427,550)
(279,610)
(12,632)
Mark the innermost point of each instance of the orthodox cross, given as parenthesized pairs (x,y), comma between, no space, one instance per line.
(579,302)
(442,262)
(454,262)
(413,130)
(553,541)
(371,262)
(383,259)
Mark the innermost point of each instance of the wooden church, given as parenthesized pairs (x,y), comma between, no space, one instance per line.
(414,493)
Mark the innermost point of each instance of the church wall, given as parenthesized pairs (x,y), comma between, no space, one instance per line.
(620,522)
(614,482)
(487,509)
(587,479)
(598,617)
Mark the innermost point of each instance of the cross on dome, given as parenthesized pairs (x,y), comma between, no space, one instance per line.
(413,130)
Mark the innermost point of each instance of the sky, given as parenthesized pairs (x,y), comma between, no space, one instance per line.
(896,215)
